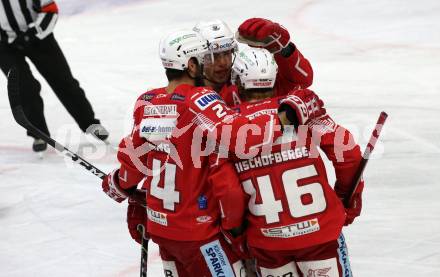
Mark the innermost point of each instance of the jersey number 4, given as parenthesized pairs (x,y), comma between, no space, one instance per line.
(271,207)
(168,193)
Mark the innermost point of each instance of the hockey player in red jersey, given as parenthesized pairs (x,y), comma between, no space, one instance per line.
(295,70)
(186,198)
(295,217)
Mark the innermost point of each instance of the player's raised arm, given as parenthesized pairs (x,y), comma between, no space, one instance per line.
(295,71)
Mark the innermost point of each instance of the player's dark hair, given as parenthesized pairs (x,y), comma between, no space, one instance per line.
(198,79)
(174,74)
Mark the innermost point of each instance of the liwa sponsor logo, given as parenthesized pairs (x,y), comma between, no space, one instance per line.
(206,100)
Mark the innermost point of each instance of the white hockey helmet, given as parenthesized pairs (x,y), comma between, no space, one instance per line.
(256,68)
(218,34)
(177,48)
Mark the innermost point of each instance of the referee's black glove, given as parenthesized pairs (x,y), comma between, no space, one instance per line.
(25,40)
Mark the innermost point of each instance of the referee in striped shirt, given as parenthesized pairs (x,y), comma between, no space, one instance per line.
(26,31)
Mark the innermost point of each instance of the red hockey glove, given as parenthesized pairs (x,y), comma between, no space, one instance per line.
(238,244)
(355,206)
(110,185)
(301,106)
(137,220)
(260,32)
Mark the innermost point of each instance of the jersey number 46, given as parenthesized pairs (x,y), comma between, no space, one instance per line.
(271,207)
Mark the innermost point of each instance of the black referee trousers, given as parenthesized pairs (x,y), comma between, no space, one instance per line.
(49,60)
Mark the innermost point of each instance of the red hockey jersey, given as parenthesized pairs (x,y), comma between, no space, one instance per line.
(294,72)
(169,147)
(291,203)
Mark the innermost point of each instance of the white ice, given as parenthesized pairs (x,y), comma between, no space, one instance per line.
(368,56)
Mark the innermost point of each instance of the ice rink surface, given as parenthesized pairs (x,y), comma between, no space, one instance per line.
(367,56)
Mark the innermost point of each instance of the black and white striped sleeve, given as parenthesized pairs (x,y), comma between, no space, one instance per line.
(46,18)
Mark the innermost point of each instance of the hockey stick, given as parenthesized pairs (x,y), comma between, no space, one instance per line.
(365,157)
(20,117)
(144,252)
